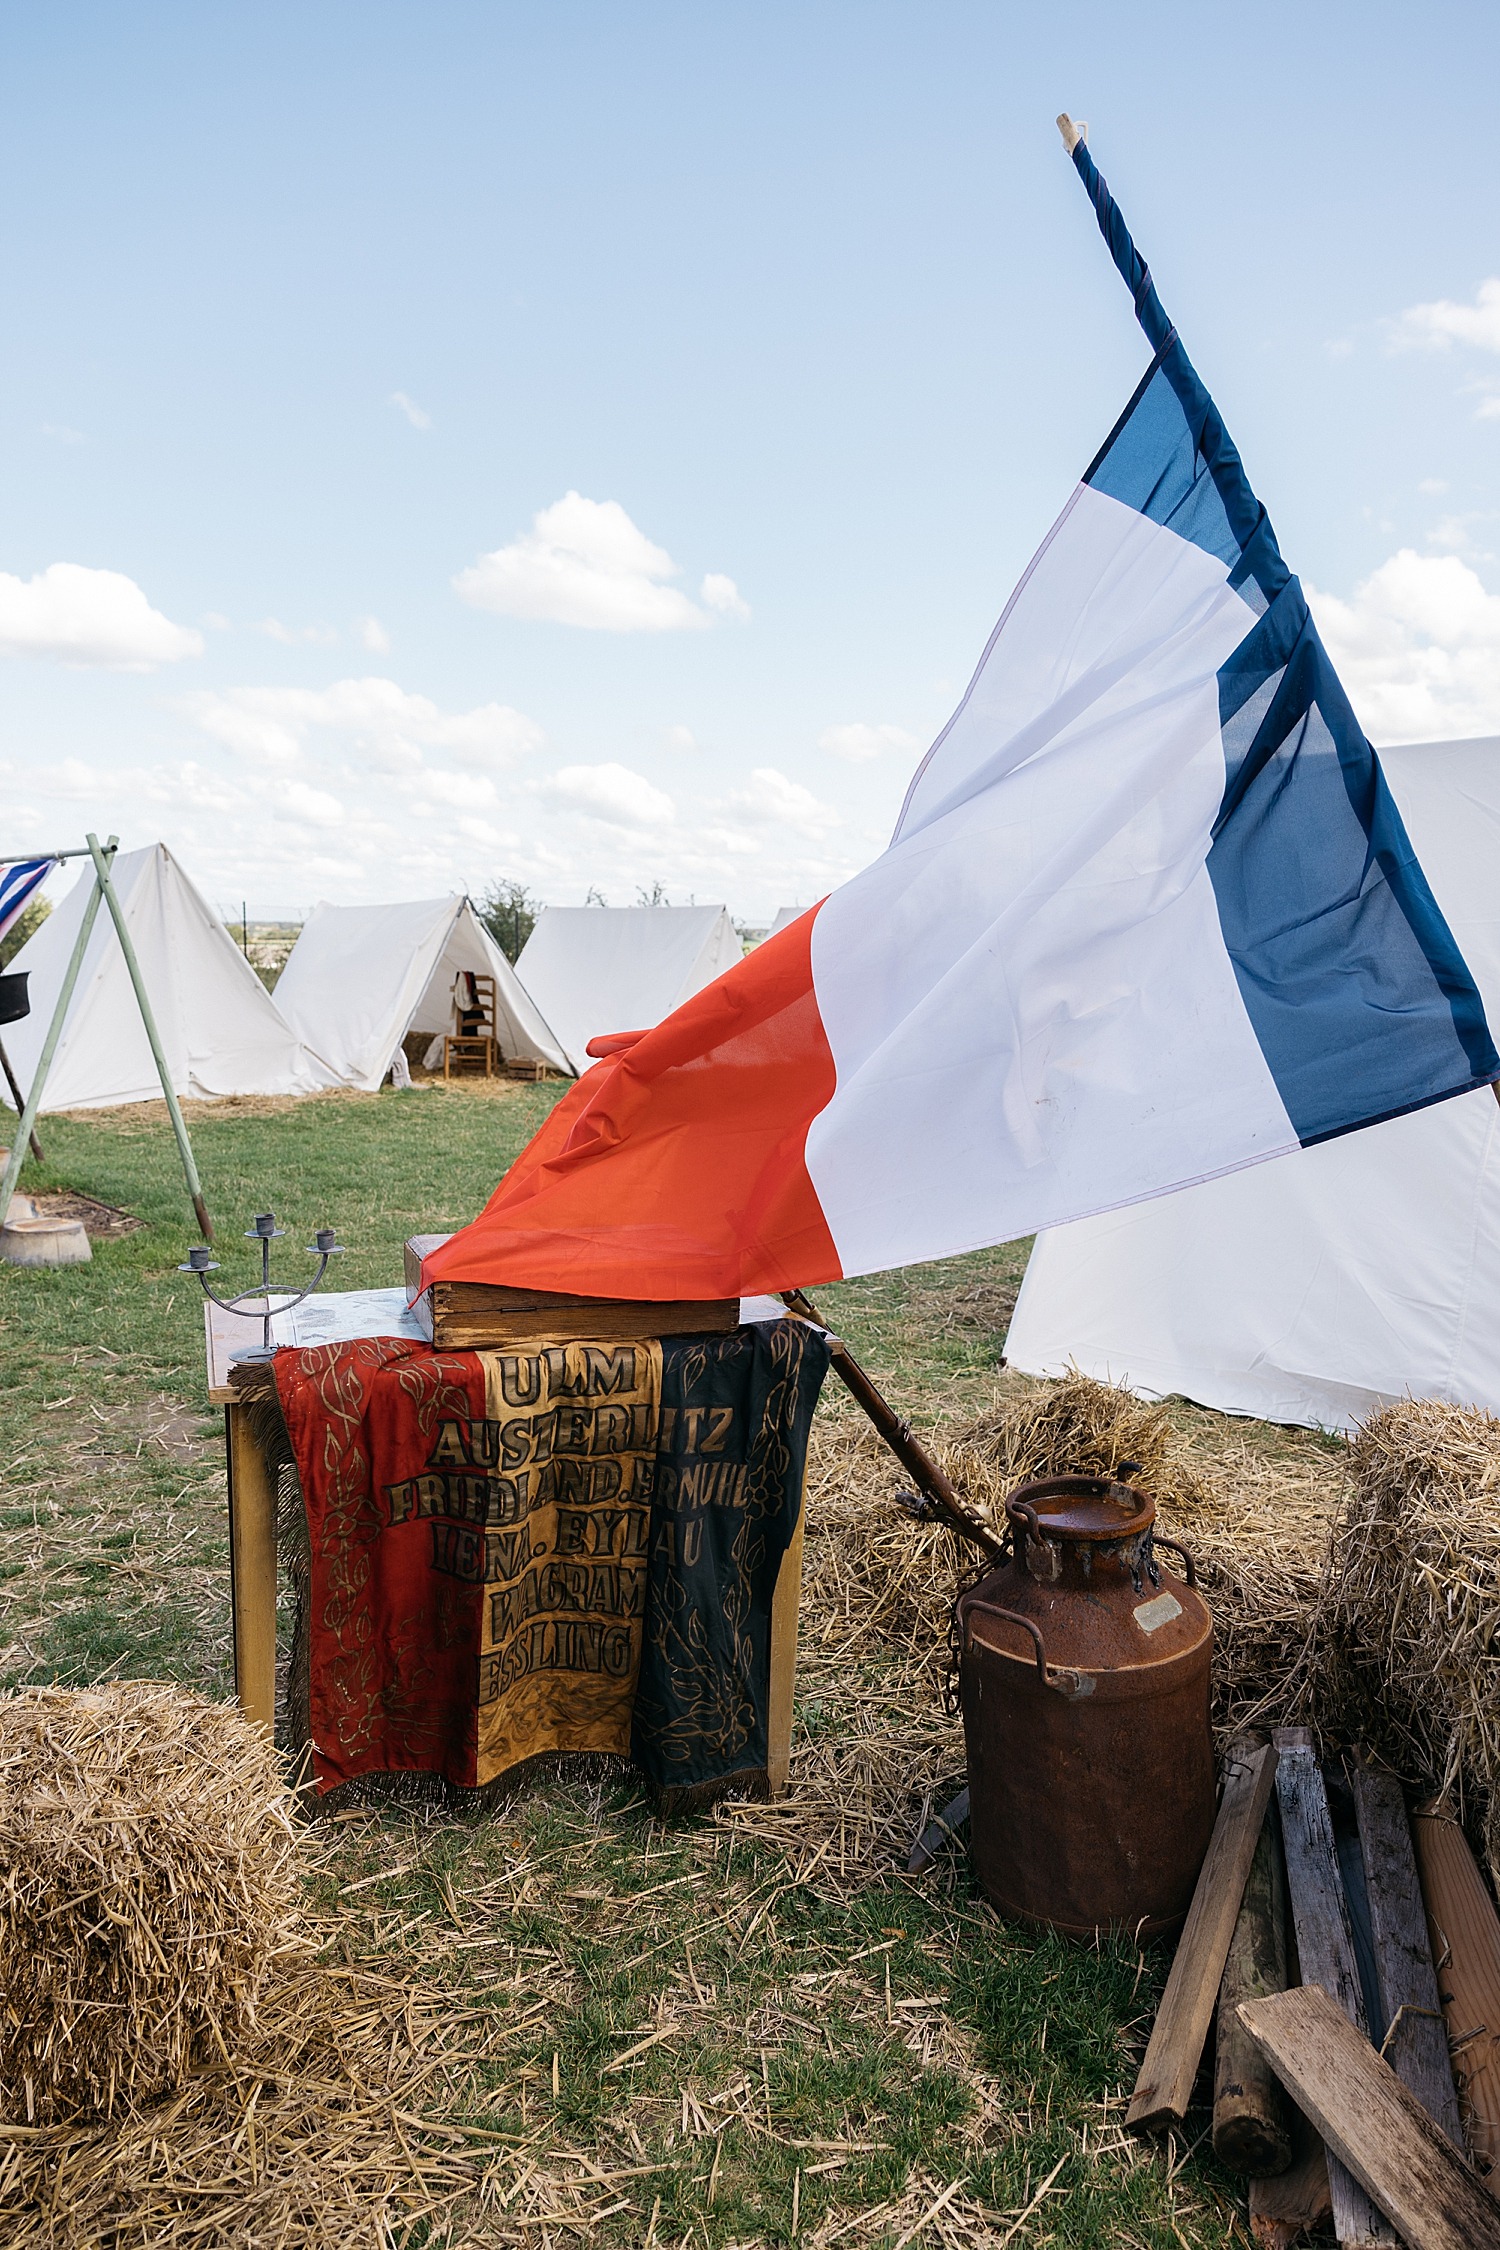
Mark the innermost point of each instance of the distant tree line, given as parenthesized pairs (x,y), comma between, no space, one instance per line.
(509,910)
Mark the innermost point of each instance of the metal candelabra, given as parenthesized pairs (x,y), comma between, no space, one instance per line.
(256,1304)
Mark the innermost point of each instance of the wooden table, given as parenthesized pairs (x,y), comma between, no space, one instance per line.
(252,1544)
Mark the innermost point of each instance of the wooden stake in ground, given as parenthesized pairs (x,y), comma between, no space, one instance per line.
(1292,2203)
(1165,2085)
(1252,2122)
(1416,2038)
(1466,1947)
(1325,1942)
(1380,2134)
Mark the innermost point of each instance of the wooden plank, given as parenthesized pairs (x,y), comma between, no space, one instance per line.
(786,1605)
(1325,1942)
(1465,1934)
(1380,2134)
(1252,2119)
(252,1568)
(1292,2203)
(1165,2085)
(1416,2040)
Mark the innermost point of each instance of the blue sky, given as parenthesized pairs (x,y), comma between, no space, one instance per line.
(310,309)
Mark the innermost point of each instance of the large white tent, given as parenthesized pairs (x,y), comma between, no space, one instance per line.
(1323,1284)
(359,978)
(220,1030)
(595,969)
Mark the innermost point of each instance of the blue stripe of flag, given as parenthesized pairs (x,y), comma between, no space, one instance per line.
(1358,995)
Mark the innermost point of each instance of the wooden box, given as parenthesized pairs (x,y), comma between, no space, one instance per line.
(482,1315)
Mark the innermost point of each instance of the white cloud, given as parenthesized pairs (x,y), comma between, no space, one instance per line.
(83,616)
(1454,536)
(1418,648)
(373,635)
(611,792)
(1432,485)
(372,717)
(584,562)
(418,419)
(722,594)
(858,742)
(296,800)
(1488,409)
(62,435)
(1436,326)
(774,799)
(292,636)
(681,738)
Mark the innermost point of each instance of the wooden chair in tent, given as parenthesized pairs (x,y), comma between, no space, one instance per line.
(472,1048)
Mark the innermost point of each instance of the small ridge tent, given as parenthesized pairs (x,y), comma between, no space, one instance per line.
(595,969)
(359,978)
(785,915)
(220,1029)
(1323,1284)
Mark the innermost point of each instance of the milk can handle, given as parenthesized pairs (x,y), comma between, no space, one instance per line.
(1058,1678)
(1173,1548)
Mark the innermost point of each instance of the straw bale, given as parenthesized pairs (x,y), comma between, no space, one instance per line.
(1410,1657)
(148,1882)
(1073,1427)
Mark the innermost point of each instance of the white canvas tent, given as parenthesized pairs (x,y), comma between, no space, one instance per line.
(220,1030)
(1314,1288)
(359,978)
(784,915)
(595,969)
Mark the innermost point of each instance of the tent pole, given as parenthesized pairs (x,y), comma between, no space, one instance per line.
(19,1099)
(174,1111)
(54,1029)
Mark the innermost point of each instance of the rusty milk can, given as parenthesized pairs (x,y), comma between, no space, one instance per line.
(1083,1670)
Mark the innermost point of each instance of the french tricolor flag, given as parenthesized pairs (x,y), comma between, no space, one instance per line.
(1149,914)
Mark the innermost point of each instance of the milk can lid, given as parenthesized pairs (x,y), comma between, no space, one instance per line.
(1092,1509)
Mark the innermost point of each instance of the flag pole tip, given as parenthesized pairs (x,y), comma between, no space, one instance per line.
(1072,134)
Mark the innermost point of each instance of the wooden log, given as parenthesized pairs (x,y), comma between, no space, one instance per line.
(1325,1942)
(1416,2038)
(1165,2085)
(252,1568)
(1380,2134)
(1252,2120)
(1465,1933)
(1290,2204)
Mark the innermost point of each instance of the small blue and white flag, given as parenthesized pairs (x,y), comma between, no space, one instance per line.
(19,883)
(1149,914)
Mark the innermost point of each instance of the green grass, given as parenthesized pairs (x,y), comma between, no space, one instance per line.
(103,1424)
(844,2049)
